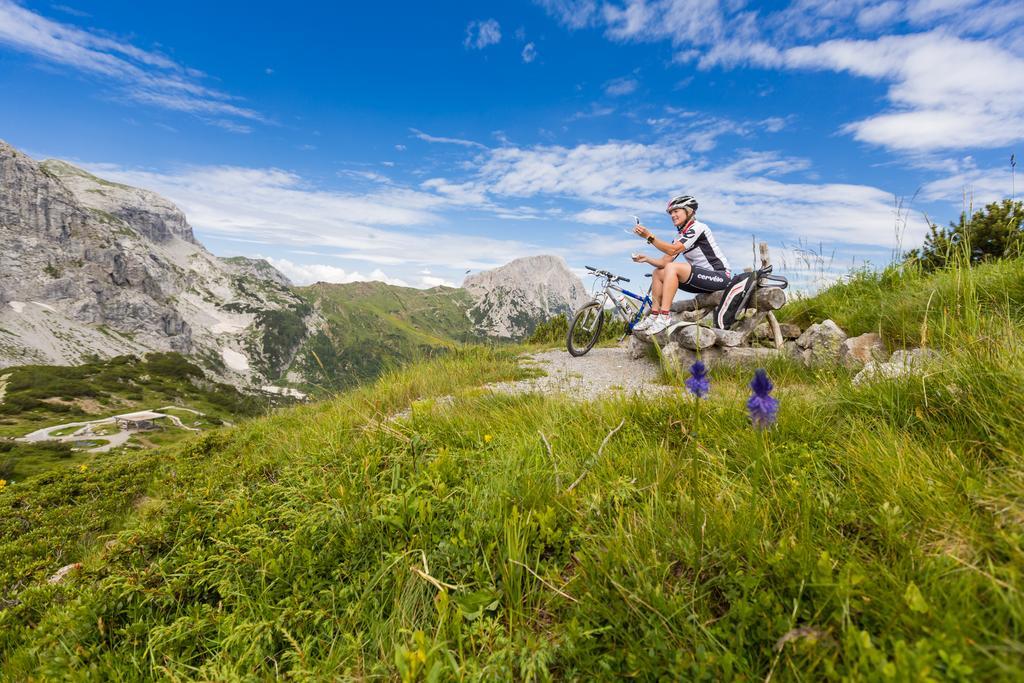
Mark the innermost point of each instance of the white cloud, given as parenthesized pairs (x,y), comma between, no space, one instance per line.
(143,76)
(387,225)
(308,273)
(480,34)
(617,179)
(595,111)
(958,84)
(700,133)
(964,184)
(620,86)
(529,53)
(574,14)
(877,16)
(946,92)
(448,141)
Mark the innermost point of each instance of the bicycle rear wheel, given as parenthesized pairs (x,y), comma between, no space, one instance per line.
(585,329)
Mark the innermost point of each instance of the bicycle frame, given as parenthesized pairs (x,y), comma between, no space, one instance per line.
(628,315)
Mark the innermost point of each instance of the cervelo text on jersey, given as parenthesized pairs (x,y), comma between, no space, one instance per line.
(700,248)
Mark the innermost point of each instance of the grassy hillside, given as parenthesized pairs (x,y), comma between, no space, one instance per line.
(37,396)
(875,532)
(912,308)
(372,327)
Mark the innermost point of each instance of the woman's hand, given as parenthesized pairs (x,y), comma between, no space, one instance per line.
(642,231)
(639,258)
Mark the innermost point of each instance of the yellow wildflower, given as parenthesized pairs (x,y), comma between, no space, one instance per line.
(487,438)
(3,483)
(83,467)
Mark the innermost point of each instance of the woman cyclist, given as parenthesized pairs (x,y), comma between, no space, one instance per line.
(704,268)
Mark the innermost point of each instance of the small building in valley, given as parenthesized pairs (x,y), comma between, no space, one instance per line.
(139,421)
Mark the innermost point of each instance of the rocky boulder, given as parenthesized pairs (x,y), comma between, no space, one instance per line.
(789,331)
(823,341)
(855,352)
(902,362)
(694,337)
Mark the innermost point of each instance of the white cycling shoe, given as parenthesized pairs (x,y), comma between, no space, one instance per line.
(645,323)
(660,325)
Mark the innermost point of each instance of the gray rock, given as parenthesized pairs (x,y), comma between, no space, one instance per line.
(636,348)
(694,337)
(690,316)
(681,358)
(677,356)
(764,331)
(728,337)
(823,339)
(855,352)
(790,330)
(902,362)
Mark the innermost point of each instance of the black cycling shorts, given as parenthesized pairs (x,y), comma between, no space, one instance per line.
(703,280)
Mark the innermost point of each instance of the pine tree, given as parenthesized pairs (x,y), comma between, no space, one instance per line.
(995,231)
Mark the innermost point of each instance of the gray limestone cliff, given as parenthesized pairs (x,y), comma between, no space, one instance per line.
(94,268)
(510,301)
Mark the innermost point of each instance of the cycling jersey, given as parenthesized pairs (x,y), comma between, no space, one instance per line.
(700,248)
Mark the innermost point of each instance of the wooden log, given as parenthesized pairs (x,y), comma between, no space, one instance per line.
(709,300)
(762,249)
(776,330)
(765,299)
(770,298)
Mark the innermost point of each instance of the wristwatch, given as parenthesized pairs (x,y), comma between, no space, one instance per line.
(650,239)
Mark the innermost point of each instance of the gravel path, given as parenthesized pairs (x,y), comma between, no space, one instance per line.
(602,372)
(84,433)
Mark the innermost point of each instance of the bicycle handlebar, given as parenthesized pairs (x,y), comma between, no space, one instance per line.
(605,273)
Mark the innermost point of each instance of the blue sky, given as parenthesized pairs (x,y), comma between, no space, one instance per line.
(411,143)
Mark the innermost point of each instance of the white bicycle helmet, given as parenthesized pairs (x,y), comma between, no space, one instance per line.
(683,201)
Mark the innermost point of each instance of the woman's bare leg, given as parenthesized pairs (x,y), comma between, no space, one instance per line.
(657,282)
(674,274)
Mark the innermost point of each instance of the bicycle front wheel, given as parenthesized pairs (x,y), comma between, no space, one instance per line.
(585,328)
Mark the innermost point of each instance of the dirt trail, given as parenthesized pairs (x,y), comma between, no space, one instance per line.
(602,372)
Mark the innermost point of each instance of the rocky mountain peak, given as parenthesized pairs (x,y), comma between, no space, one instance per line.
(510,301)
(91,267)
(151,215)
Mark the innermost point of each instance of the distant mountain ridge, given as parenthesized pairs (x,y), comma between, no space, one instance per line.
(92,268)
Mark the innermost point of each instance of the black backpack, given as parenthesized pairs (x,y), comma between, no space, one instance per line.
(738,292)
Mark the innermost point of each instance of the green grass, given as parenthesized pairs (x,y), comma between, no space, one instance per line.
(373,327)
(907,306)
(875,532)
(41,395)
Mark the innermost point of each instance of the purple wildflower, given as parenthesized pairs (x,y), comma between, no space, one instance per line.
(698,383)
(761,405)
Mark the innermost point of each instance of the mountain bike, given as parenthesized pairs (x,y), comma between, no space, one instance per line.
(587,322)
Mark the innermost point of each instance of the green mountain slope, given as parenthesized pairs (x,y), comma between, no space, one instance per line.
(372,326)
(875,532)
(37,396)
